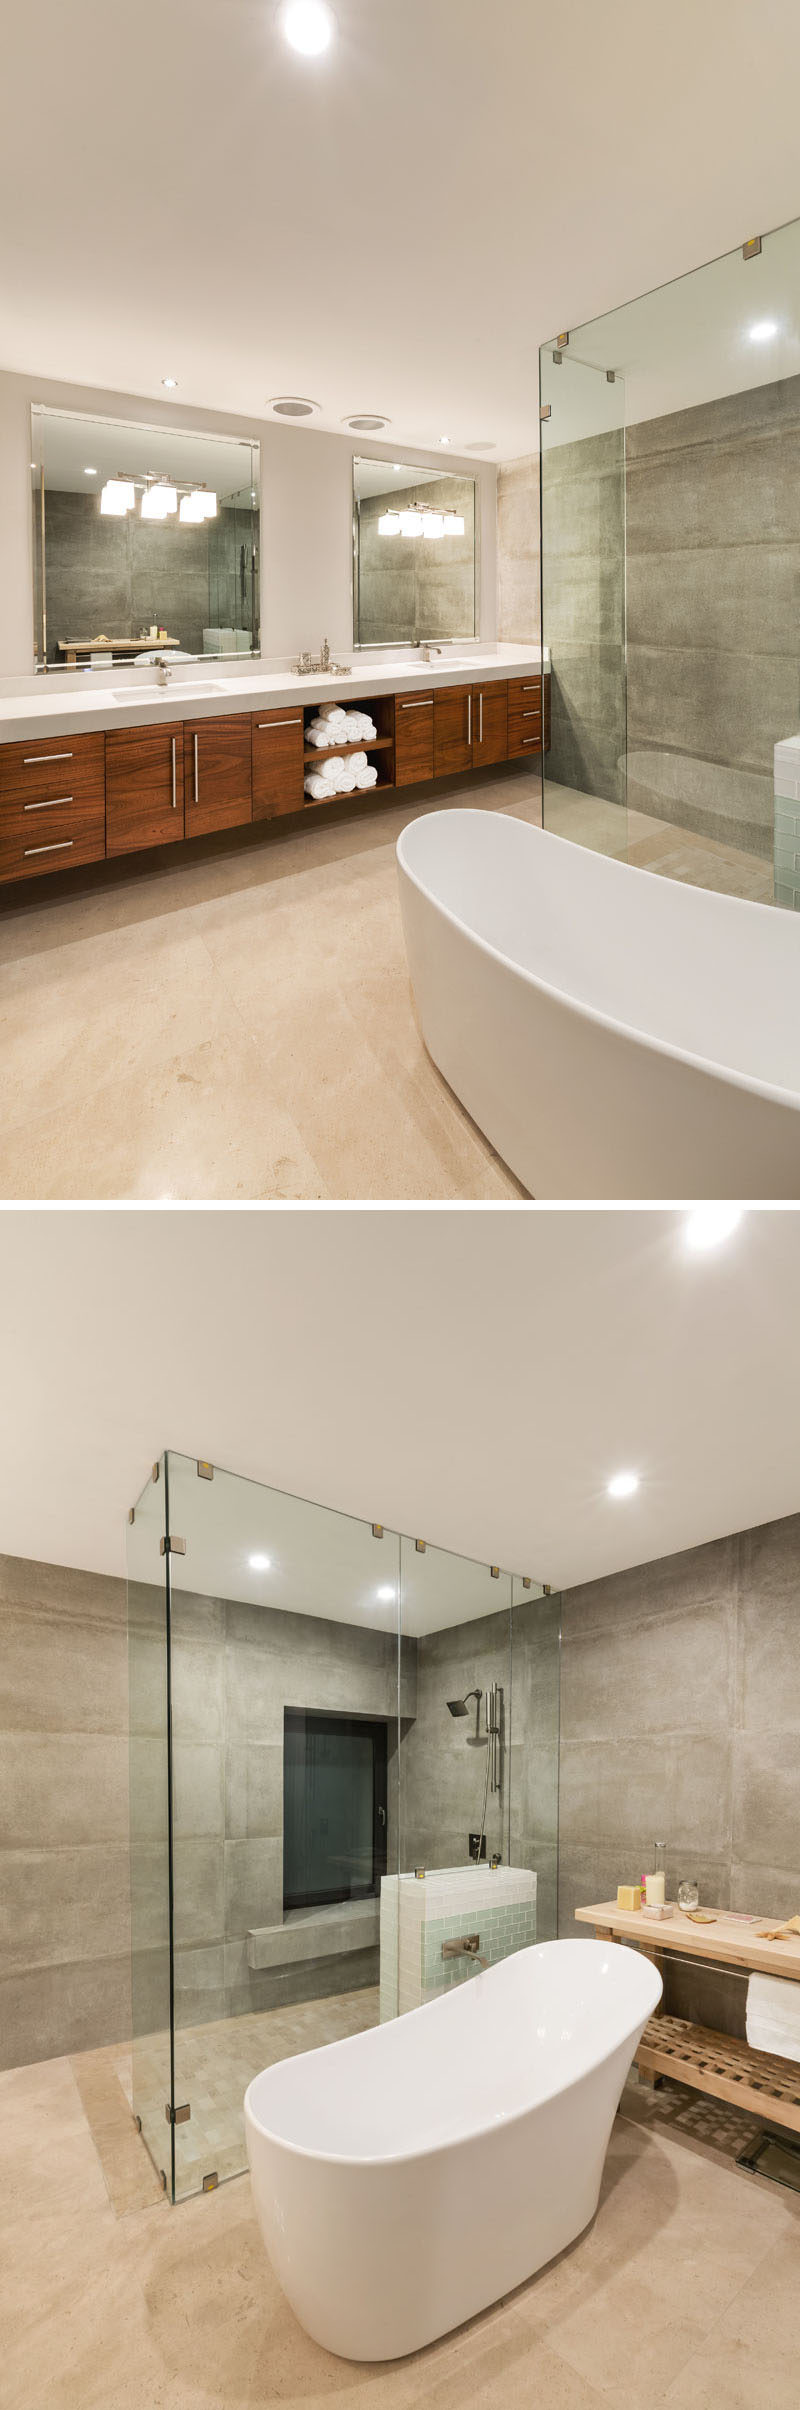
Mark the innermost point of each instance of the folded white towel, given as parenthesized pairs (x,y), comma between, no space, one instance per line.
(320,788)
(367,777)
(358,761)
(773,2015)
(316,735)
(332,711)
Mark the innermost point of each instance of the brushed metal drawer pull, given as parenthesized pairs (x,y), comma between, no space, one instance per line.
(469,718)
(530,740)
(425,704)
(531,715)
(480,719)
(174,743)
(61,848)
(294,722)
(47,803)
(29,759)
(533,689)
(196,780)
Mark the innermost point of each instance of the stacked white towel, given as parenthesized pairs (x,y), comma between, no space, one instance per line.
(341,728)
(773,2015)
(340,776)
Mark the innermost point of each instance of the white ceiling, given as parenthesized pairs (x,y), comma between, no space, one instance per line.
(394,228)
(69,444)
(471,1377)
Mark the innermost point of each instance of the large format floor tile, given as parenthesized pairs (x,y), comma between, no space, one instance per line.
(240,1024)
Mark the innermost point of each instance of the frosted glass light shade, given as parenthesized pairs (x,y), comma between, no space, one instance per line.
(191,510)
(209,504)
(453,523)
(432,524)
(159,502)
(410,523)
(116,498)
(389,523)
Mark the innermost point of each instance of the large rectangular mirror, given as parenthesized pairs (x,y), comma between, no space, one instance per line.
(415,553)
(144,537)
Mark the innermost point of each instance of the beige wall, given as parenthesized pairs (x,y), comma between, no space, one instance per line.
(518,550)
(306,523)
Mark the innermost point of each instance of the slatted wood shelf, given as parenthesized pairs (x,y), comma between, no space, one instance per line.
(719,2064)
(362,744)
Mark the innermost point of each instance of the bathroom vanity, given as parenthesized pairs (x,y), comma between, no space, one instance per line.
(84,777)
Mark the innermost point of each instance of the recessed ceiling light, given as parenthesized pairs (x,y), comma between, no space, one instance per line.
(90,472)
(170,383)
(708,1225)
(308,26)
(259,1564)
(385,1594)
(444,439)
(623,1485)
(292,405)
(366,422)
(763,330)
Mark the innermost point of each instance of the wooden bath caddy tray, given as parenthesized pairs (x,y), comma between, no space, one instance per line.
(725,2068)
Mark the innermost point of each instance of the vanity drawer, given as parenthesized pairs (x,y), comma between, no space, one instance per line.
(63,767)
(524,731)
(277,762)
(523,691)
(37,836)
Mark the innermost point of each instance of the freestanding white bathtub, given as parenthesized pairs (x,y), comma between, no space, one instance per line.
(406,2178)
(613,1033)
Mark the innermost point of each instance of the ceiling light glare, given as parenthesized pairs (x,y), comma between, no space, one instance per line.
(259,1564)
(445,439)
(308,26)
(763,330)
(90,472)
(623,1485)
(385,1594)
(117,496)
(389,523)
(170,383)
(709,1225)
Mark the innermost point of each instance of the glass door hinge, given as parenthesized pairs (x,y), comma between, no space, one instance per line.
(544,409)
(377,1531)
(177,2116)
(751,250)
(562,340)
(173,1545)
(495,1572)
(210,2182)
(205,1472)
(131,1514)
(526,1581)
(156,1471)
(420,1546)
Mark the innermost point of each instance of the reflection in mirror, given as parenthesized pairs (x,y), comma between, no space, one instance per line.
(145,539)
(415,553)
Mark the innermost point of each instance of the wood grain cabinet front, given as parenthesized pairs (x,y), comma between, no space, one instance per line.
(144,787)
(452,730)
(413,738)
(217,773)
(489,723)
(52,805)
(277,763)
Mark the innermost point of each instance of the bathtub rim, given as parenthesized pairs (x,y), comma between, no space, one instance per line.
(472,2133)
(767,1090)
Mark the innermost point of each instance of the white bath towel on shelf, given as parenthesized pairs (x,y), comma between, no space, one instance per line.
(773,2015)
(358,761)
(367,777)
(318,787)
(332,711)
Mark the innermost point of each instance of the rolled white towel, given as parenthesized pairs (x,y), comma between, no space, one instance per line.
(332,711)
(316,734)
(358,761)
(318,787)
(368,776)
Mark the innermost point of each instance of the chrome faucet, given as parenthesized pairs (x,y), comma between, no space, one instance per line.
(467,1945)
(325,666)
(428,650)
(164,668)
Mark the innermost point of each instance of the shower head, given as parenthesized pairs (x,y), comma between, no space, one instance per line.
(460,1706)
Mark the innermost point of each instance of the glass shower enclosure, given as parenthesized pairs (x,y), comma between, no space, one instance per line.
(343,1754)
(669,445)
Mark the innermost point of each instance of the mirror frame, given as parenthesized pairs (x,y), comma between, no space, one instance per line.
(382,644)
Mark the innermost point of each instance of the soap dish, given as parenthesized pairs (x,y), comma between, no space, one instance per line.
(658,1911)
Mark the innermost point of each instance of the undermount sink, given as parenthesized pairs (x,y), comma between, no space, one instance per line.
(146,689)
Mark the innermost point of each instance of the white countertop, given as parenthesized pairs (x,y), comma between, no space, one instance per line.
(67,701)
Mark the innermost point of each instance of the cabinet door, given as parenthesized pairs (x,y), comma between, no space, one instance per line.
(144,787)
(216,762)
(413,738)
(277,763)
(490,722)
(452,730)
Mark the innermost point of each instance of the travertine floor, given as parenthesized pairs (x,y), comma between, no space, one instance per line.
(239,1024)
(683,2292)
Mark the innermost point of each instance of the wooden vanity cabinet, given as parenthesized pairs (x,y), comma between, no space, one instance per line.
(413,738)
(452,730)
(144,787)
(217,773)
(52,804)
(489,723)
(277,763)
(525,723)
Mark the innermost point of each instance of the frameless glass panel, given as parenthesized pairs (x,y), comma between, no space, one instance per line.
(285,1737)
(415,553)
(583,595)
(536,1656)
(144,538)
(148,1685)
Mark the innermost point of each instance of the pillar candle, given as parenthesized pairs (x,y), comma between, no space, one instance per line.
(655,1890)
